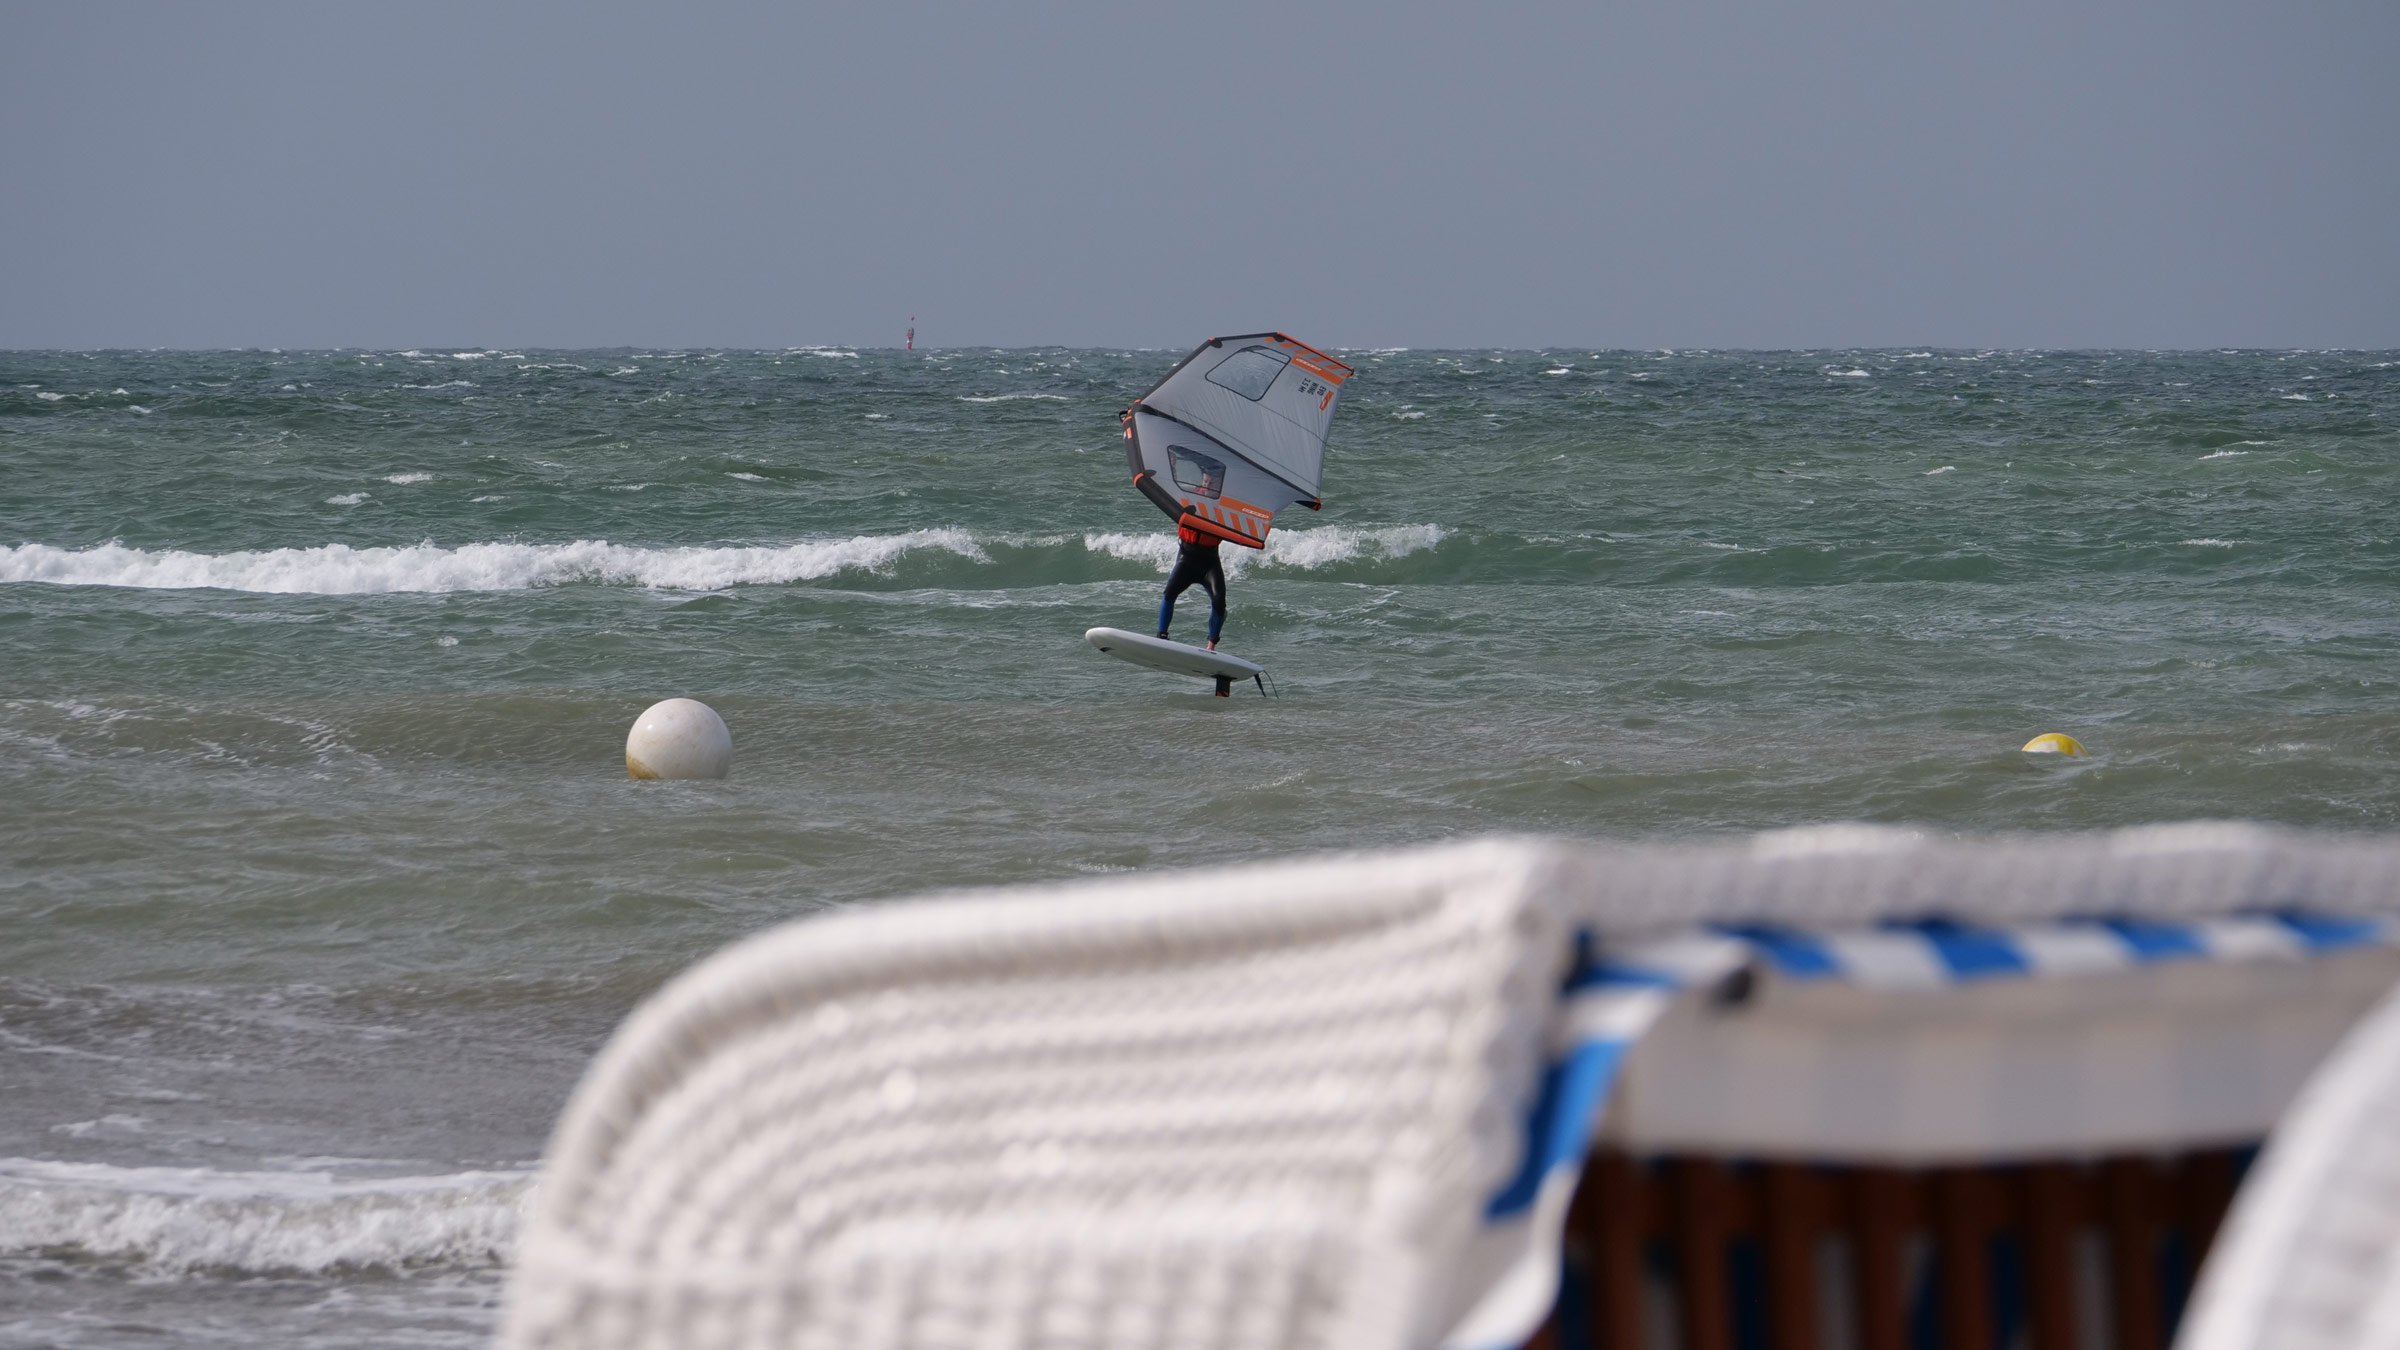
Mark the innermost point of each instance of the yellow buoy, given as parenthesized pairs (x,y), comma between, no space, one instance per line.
(2054,743)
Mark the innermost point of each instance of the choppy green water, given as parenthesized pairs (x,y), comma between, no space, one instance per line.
(315,671)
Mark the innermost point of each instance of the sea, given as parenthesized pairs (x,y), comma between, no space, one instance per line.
(321,879)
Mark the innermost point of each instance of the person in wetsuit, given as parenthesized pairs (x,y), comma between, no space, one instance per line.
(1196,563)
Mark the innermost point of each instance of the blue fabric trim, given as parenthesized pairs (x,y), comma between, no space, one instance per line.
(1801,956)
(2150,940)
(1620,975)
(2330,932)
(1558,1132)
(1970,953)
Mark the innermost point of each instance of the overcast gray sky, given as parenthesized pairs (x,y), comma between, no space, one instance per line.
(1662,173)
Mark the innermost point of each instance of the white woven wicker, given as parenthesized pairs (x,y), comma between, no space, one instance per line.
(2310,1258)
(1265,1106)
(1247,1109)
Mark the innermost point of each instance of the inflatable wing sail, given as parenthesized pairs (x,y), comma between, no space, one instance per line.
(1235,433)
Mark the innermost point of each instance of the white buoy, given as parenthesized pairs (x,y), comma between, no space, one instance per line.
(679,738)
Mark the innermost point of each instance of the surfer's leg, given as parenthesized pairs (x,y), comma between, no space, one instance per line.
(1214,580)
(1178,581)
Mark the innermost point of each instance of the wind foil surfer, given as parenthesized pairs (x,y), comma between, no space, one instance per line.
(1196,563)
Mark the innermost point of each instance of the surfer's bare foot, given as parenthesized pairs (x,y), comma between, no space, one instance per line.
(1212,644)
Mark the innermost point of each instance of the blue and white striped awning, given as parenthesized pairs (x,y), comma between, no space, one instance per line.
(1612,996)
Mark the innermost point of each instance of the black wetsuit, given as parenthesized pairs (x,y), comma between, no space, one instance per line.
(1195,564)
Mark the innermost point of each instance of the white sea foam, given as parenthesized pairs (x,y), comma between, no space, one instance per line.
(2227,454)
(1406,416)
(2290,398)
(1326,545)
(408,478)
(175,1220)
(338,569)
(746,477)
(1851,374)
(628,487)
(1299,550)
(136,407)
(1947,468)
(446,384)
(879,417)
(47,397)
(1009,398)
(1149,546)
(346,499)
(490,497)
(112,1124)
(1560,370)
(2209,543)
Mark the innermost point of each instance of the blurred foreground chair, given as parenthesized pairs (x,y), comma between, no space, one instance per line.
(2311,1257)
(1348,1102)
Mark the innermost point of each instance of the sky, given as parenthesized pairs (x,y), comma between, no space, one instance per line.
(1647,174)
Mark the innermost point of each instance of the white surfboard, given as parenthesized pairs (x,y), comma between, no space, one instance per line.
(1177,657)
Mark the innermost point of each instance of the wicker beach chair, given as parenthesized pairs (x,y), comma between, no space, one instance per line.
(1348,1102)
(2311,1255)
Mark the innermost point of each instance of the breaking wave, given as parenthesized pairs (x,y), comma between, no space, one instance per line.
(176,1220)
(339,569)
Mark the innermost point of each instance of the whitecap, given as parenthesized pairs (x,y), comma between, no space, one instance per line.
(879,417)
(628,487)
(2227,454)
(1009,398)
(446,384)
(48,397)
(113,1123)
(1406,416)
(1560,370)
(2298,398)
(177,1219)
(1947,468)
(408,478)
(2209,543)
(1296,550)
(1330,544)
(339,569)
(490,497)
(1851,374)
(346,499)
(747,477)
(138,408)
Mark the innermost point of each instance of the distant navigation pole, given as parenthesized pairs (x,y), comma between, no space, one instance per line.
(912,334)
